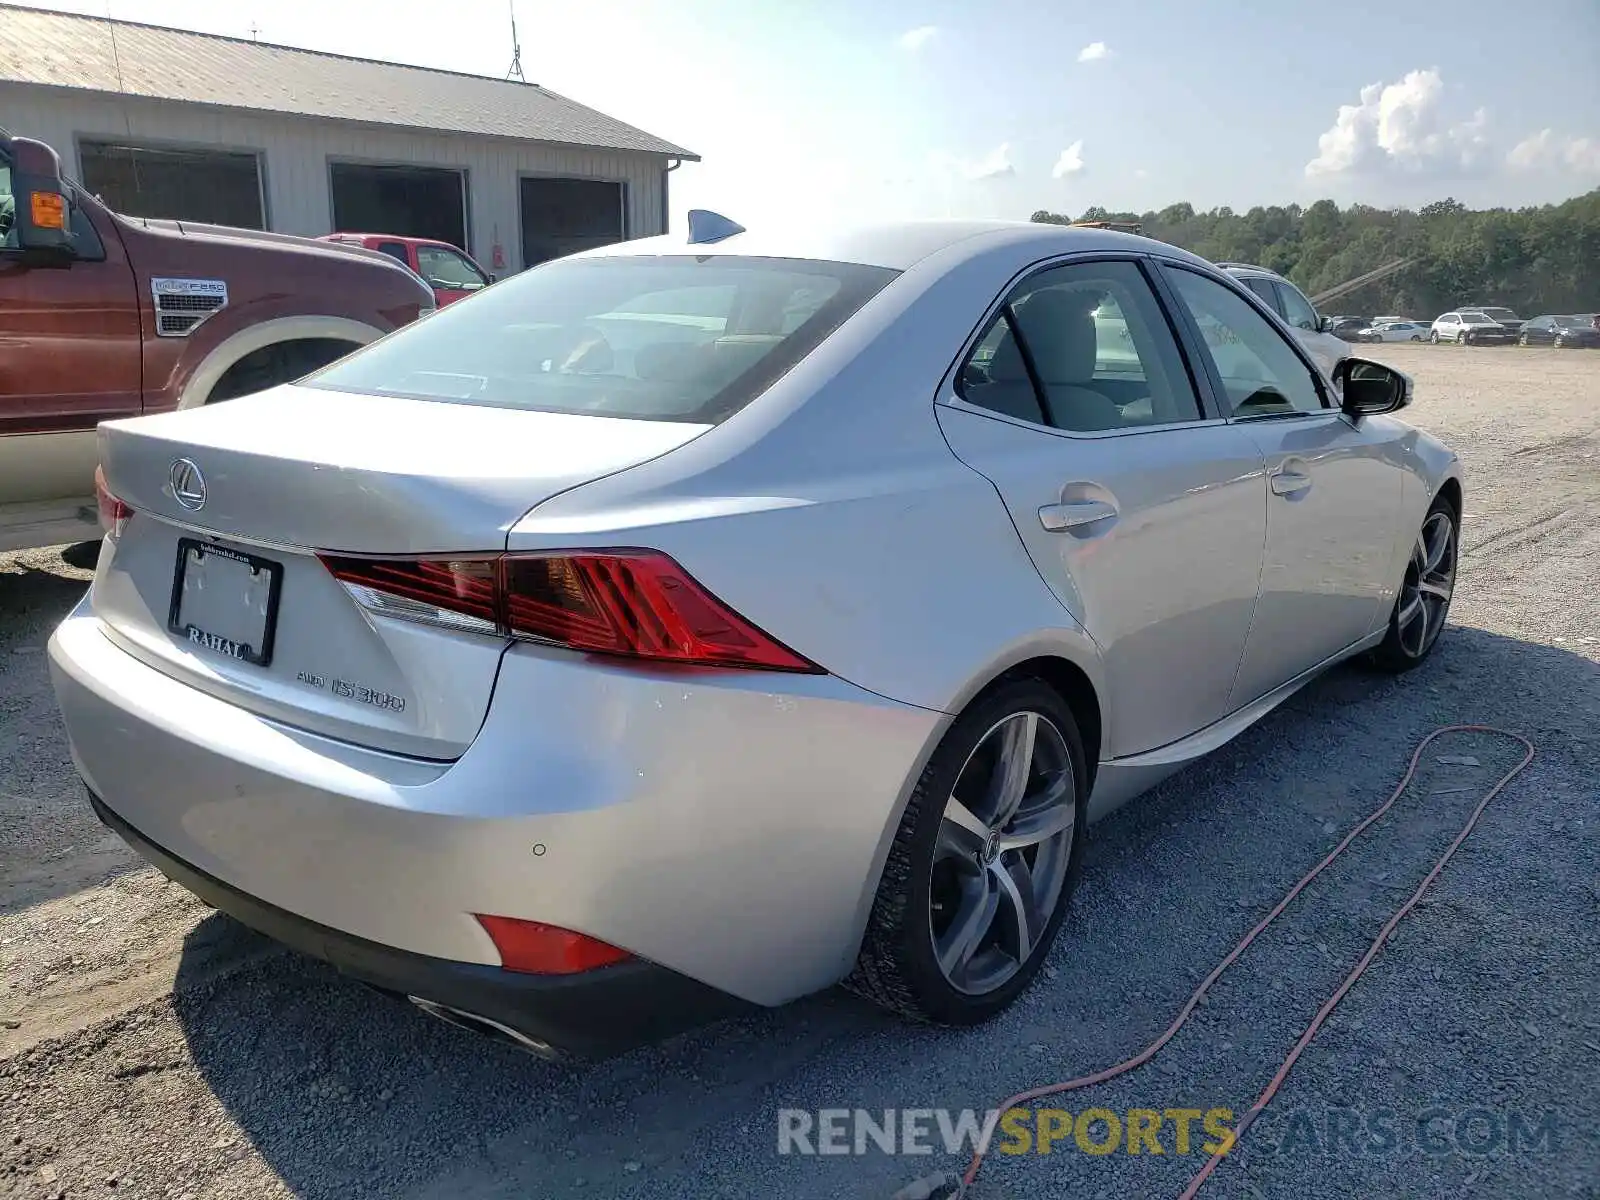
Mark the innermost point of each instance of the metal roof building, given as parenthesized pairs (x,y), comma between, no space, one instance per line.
(168,123)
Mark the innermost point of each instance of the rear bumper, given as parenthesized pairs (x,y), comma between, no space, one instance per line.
(591,1015)
(726,826)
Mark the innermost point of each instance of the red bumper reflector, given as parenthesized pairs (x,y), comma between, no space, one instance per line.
(538,949)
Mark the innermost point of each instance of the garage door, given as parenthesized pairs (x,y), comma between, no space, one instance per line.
(425,202)
(563,216)
(218,187)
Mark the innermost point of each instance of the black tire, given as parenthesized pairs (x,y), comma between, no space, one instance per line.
(1433,336)
(1416,337)
(898,968)
(1398,652)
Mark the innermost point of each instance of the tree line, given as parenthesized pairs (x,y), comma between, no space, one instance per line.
(1534,260)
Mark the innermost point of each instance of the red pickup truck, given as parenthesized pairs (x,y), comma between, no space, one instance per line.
(451,272)
(105,316)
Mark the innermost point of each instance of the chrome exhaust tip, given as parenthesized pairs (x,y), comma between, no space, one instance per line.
(489,1028)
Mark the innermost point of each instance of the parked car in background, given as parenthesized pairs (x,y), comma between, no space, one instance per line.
(1495,313)
(1348,327)
(1393,331)
(1470,328)
(1314,332)
(457,663)
(1577,330)
(451,272)
(104,316)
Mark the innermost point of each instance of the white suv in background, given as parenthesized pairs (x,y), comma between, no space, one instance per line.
(1290,303)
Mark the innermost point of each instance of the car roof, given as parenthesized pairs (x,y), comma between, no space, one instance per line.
(896,245)
(1242,269)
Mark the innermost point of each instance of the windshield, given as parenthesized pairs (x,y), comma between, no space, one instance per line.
(668,338)
(1476,318)
(1497,314)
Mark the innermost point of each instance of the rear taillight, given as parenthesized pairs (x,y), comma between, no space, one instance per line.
(636,604)
(114,514)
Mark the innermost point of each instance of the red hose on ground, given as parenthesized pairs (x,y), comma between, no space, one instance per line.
(1332,1002)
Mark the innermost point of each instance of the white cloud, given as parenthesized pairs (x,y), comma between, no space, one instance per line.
(1408,126)
(915,39)
(1070,162)
(1548,150)
(1094,52)
(994,165)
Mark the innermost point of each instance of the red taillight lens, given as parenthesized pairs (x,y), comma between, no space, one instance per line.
(458,593)
(538,949)
(114,513)
(631,603)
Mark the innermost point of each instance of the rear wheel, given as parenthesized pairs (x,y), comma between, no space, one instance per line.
(1433,336)
(1416,337)
(977,880)
(1420,609)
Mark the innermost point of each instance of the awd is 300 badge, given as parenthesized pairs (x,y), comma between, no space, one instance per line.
(359,692)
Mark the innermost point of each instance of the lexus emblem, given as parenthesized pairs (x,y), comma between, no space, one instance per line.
(188,484)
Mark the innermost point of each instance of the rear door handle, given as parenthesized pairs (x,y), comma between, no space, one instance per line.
(1286,481)
(1057,518)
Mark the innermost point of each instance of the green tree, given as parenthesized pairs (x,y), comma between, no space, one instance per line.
(1535,260)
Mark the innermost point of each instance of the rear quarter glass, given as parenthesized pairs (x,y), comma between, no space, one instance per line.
(662,338)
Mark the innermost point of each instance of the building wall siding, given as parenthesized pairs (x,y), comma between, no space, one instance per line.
(296,152)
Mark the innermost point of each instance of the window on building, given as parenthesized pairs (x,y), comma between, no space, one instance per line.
(215,187)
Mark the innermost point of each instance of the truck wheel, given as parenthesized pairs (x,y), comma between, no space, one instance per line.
(283,362)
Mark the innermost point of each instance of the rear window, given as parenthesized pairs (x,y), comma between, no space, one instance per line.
(668,338)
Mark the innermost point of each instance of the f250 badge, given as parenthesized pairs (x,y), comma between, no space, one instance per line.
(360,693)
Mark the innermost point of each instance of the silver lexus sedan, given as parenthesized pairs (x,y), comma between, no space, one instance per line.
(696,623)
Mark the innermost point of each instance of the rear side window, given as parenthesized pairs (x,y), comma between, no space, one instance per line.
(1264,289)
(664,338)
(395,250)
(1296,308)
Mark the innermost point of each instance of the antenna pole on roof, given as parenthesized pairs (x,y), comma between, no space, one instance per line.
(516,47)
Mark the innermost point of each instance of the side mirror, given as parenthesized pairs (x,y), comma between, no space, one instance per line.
(1368,388)
(1325,324)
(43,212)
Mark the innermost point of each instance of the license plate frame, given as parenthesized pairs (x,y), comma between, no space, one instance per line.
(239,651)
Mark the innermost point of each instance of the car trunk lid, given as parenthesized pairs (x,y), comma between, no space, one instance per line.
(216,579)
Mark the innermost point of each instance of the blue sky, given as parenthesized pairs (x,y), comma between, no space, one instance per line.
(928,107)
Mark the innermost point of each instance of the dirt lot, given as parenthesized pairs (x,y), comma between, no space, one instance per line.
(150,1048)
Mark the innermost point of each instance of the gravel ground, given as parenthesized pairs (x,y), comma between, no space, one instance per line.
(150,1048)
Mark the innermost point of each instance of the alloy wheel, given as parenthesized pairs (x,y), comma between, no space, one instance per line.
(1001,859)
(1430,582)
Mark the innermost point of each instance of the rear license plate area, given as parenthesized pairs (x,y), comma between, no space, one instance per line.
(225,601)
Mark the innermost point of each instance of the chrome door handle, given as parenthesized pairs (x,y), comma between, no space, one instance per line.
(1290,483)
(1060,517)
